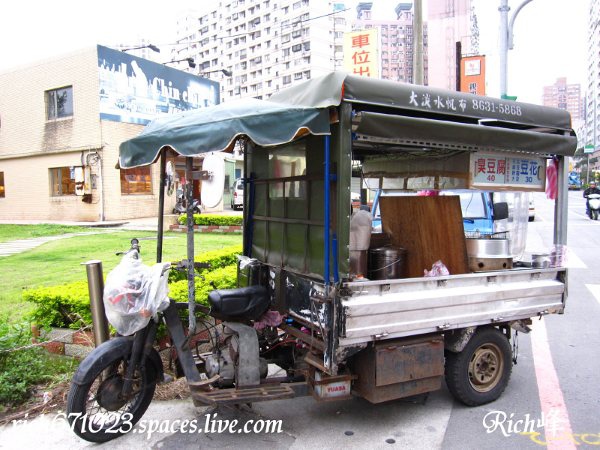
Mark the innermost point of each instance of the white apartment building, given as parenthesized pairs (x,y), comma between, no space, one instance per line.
(592,101)
(266,45)
(396,47)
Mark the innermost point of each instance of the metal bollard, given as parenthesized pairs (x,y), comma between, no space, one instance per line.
(96,290)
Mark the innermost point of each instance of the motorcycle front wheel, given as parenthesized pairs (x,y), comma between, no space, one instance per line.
(96,410)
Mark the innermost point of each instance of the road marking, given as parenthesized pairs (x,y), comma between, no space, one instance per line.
(551,396)
(573,261)
(595,290)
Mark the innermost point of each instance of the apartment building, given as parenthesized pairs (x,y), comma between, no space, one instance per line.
(265,45)
(592,101)
(449,22)
(396,47)
(564,96)
(62,121)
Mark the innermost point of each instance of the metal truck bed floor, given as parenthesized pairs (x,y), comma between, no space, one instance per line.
(403,307)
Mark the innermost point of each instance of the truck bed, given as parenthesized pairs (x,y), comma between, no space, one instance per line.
(385,309)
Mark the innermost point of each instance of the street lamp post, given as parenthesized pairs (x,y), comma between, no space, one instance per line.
(150,46)
(225,72)
(506,40)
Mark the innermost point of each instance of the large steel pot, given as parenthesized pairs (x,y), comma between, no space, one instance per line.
(489,254)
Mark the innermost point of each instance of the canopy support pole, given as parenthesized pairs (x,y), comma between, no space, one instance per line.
(327,186)
(161,205)
(189,180)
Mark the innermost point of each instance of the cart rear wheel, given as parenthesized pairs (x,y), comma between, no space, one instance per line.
(480,373)
(96,410)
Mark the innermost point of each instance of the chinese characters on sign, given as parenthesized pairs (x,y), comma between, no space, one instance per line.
(510,171)
(478,106)
(360,53)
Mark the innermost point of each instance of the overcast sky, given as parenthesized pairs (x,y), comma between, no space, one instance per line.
(550,35)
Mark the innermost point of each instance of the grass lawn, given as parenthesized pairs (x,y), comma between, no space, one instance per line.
(60,261)
(13,232)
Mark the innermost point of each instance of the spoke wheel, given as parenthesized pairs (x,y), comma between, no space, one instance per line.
(98,412)
(480,373)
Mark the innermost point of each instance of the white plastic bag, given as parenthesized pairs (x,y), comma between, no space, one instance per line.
(438,269)
(134,293)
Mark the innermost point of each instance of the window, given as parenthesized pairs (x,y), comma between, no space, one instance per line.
(288,161)
(1,184)
(59,103)
(62,181)
(136,181)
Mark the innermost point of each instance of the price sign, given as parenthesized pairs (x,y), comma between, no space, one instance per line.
(507,172)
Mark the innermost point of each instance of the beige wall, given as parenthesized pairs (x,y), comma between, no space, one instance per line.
(30,145)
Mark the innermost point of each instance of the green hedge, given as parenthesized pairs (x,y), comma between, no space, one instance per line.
(68,305)
(212,219)
(222,278)
(216,258)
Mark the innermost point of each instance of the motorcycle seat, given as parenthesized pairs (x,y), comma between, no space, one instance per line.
(247,303)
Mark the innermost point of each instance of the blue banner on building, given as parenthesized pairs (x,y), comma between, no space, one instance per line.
(136,90)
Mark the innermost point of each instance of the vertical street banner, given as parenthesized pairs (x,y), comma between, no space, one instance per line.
(361,53)
(472,74)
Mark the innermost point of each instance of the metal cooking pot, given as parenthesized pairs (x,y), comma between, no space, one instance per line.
(489,254)
(488,248)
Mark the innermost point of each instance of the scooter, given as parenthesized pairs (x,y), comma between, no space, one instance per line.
(115,383)
(593,206)
(180,205)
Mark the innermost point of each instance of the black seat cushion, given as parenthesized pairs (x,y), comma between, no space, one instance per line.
(248,303)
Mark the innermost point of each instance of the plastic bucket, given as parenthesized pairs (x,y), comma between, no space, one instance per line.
(386,263)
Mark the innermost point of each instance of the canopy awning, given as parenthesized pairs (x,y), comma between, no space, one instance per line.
(216,128)
(417,113)
(427,133)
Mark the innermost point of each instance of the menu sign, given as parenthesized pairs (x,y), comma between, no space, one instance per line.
(506,172)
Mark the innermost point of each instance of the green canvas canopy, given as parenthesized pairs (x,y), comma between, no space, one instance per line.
(401,113)
(216,128)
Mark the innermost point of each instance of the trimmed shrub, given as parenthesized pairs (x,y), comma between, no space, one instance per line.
(216,258)
(212,219)
(223,278)
(66,305)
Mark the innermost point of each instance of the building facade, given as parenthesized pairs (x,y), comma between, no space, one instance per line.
(564,96)
(266,45)
(449,22)
(592,100)
(396,47)
(62,122)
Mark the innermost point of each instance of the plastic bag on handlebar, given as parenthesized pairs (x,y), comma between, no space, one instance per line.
(134,292)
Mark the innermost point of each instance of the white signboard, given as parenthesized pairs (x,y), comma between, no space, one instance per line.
(507,171)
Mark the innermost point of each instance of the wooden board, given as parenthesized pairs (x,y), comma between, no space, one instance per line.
(429,228)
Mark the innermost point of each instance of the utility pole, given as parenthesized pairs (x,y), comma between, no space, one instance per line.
(418,76)
(506,40)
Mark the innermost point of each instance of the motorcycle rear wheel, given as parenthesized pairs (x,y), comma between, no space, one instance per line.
(96,411)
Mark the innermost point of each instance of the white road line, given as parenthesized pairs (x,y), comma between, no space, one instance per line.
(595,290)
(573,261)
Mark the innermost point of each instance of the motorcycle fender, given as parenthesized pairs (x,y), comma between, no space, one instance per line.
(97,358)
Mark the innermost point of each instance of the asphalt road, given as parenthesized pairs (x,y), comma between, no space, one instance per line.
(553,395)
